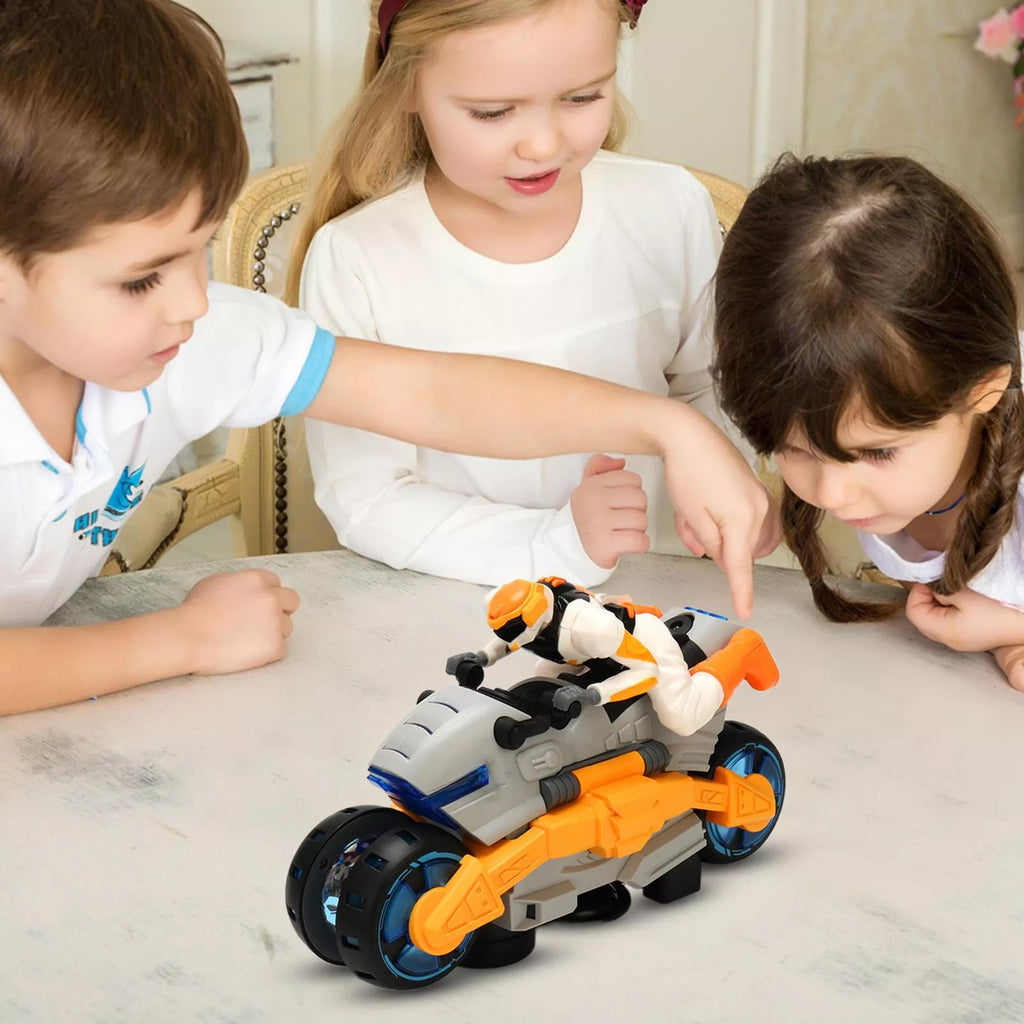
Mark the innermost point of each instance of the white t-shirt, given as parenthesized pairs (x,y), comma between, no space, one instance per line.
(900,556)
(623,300)
(249,359)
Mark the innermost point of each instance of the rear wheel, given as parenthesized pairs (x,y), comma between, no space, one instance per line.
(745,751)
(320,867)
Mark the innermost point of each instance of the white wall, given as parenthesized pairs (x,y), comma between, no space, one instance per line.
(905,78)
(692,106)
(718,86)
(265,26)
(327,37)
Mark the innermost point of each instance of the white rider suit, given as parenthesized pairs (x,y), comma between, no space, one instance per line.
(586,629)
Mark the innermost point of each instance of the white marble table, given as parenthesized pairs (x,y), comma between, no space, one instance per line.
(146,835)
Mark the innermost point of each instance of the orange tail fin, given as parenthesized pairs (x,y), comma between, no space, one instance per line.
(745,656)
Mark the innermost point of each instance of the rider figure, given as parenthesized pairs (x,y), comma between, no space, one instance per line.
(567,625)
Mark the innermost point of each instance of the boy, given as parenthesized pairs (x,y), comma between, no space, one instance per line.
(120,152)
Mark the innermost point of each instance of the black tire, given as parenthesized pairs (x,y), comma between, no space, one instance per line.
(321,863)
(380,891)
(494,946)
(745,751)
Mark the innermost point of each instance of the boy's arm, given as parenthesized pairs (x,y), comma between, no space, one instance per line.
(44,666)
(227,623)
(500,408)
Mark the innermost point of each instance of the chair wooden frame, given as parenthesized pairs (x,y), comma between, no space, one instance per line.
(239,257)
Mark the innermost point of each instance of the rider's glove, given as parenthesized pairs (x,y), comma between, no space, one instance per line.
(565,696)
(468,667)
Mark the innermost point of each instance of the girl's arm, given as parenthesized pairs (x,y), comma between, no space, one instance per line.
(964,621)
(689,372)
(969,621)
(368,488)
(1011,660)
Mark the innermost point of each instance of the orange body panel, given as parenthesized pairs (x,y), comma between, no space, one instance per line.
(617,812)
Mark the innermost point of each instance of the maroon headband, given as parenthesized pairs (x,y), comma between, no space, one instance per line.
(389,8)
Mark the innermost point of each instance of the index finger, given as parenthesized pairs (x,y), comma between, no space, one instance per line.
(737,561)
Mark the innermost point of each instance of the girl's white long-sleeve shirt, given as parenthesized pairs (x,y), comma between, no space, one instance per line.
(625,299)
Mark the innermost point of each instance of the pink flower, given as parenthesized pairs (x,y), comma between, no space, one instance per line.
(997,36)
(1017,21)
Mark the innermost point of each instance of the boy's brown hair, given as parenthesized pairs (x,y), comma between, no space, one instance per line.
(110,111)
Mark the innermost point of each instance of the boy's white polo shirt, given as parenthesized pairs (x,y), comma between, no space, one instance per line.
(251,358)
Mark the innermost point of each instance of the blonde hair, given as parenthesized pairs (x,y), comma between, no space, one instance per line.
(376,142)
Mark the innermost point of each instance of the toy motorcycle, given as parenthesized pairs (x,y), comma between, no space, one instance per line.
(507,806)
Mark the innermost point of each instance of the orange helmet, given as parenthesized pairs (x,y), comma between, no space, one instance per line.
(519,610)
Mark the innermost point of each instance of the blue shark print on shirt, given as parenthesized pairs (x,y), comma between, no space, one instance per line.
(127,493)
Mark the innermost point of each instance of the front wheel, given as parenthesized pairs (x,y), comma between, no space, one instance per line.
(745,751)
(376,906)
(320,867)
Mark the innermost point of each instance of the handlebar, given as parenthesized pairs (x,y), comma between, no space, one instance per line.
(467,667)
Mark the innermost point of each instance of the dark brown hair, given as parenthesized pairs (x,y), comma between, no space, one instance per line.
(110,111)
(869,283)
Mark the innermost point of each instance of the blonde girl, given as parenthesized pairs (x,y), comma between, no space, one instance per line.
(471,199)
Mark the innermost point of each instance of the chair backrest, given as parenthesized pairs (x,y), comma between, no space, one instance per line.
(248,249)
(251,250)
(728,196)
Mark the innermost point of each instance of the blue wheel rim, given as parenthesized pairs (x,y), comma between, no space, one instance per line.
(750,759)
(397,950)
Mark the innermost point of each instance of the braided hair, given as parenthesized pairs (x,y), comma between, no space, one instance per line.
(869,283)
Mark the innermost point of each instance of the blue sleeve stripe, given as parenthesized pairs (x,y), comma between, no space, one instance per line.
(311,378)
